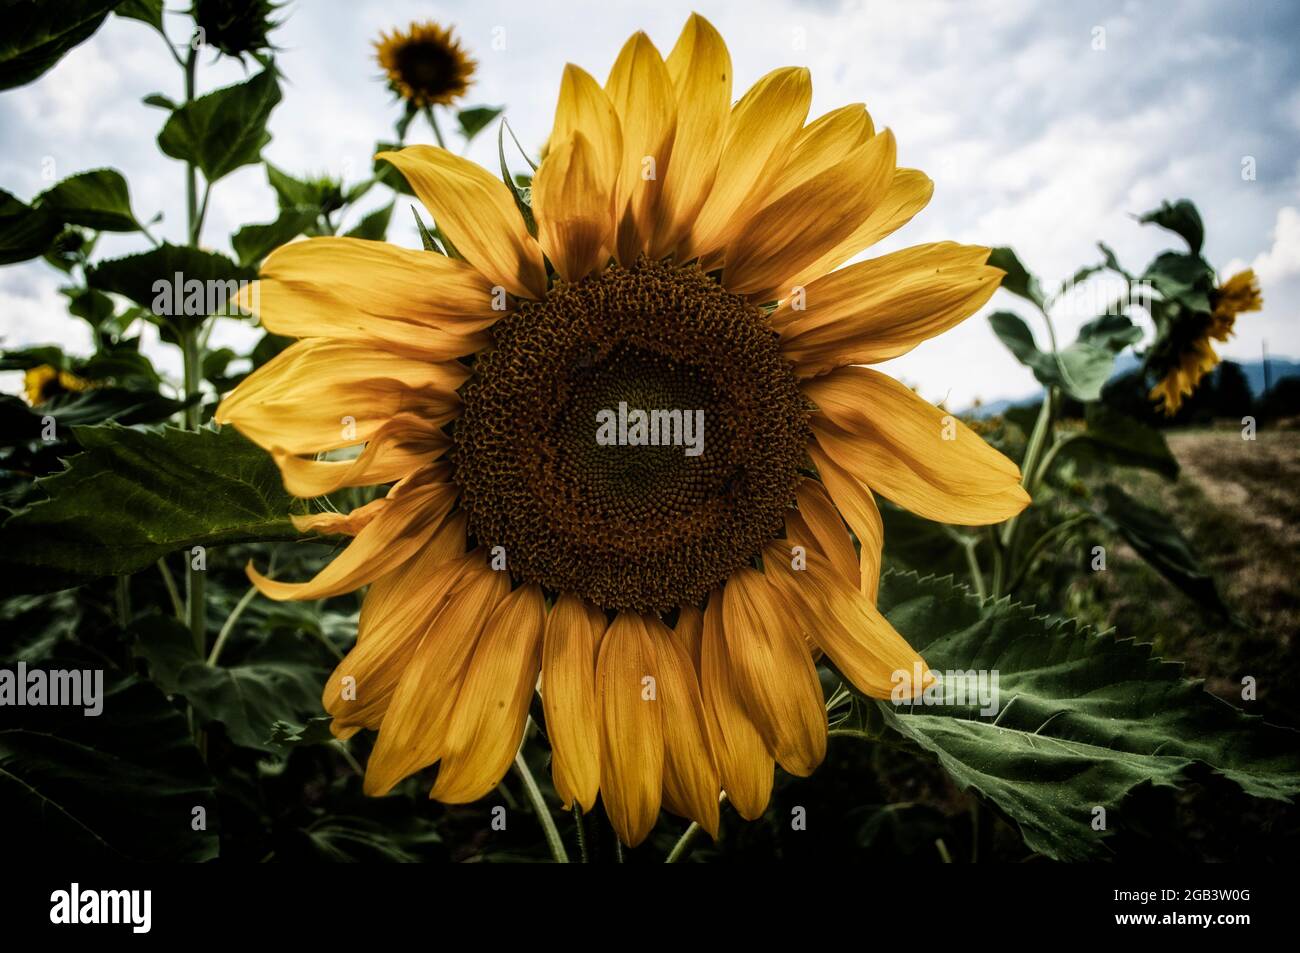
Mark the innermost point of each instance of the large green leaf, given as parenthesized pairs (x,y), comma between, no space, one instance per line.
(97,199)
(1115,438)
(135,496)
(37,33)
(119,786)
(176,282)
(1158,541)
(1180,217)
(25,232)
(1082,719)
(225,129)
(20,423)
(278,683)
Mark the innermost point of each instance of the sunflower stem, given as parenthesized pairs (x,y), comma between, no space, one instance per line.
(581,830)
(433,123)
(540,809)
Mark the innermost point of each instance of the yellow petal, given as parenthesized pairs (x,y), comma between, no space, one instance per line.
(355,282)
(632,731)
(821,144)
(691,784)
(477,212)
(408,519)
(854,635)
(341,524)
(700,68)
(759,134)
(908,193)
(829,206)
(414,727)
(689,632)
(572,206)
(774,672)
(322,395)
(358,692)
(880,309)
(571,647)
(744,763)
(855,503)
(401,446)
(584,107)
(491,710)
(911,451)
(826,533)
(643,97)
(388,604)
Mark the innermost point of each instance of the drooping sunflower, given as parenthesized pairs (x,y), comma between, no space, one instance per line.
(673,603)
(1189,356)
(425,64)
(43,382)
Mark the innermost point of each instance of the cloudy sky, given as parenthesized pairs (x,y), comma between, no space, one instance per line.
(1045,126)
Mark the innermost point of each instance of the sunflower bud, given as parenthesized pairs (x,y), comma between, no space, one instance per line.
(235,27)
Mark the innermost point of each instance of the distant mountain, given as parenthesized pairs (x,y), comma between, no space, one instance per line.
(1278,368)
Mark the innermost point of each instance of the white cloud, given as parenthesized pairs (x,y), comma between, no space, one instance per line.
(1034,138)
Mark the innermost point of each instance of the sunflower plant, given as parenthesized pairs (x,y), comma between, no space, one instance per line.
(583,510)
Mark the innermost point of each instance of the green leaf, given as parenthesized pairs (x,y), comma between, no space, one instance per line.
(286,735)
(1116,439)
(1083,718)
(1081,369)
(1017,280)
(225,129)
(522,197)
(118,786)
(252,243)
(97,199)
(323,195)
(475,119)
(1185,279)
(207,281)
(426,239)
(25,232)
(387,173)
(1180,217)
(1111,331)
(279,683)
(20,423)
(375,225)
(1157,540)
(133,497)
(159,101)
(37,34)
(146,11)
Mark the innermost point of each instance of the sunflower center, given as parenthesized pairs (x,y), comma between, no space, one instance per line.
(428,67)
(634,438)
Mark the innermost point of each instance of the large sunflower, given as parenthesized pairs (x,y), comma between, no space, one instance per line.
(673,604)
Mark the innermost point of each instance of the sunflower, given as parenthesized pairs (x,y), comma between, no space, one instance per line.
(43,382)
(1188,363)
(673,605)
(425,65)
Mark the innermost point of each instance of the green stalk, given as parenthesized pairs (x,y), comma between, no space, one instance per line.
(543,813)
